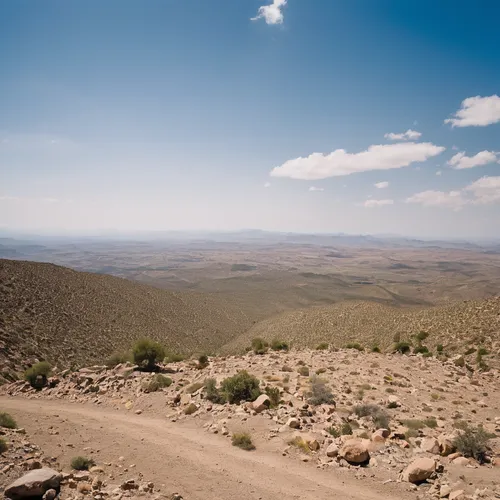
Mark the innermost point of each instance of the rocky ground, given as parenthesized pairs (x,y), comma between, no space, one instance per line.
(392,422)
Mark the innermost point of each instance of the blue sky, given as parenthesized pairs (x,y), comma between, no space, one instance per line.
(176,114)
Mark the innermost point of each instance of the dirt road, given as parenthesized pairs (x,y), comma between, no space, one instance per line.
(187,460)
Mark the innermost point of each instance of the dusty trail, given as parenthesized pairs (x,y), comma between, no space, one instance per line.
(185,459)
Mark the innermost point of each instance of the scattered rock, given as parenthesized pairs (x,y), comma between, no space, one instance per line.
(354,451)
(34,483)
(419,470)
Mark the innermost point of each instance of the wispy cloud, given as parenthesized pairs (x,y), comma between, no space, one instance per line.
(377,203)
(477,112)
(460,161)
(484,191)
(267,184)
(409,135)
(381,185)
(314,188)
(273,13)
(338,163)
(439,172)
(29,199)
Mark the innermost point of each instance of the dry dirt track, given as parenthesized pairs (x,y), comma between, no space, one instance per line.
(189,461)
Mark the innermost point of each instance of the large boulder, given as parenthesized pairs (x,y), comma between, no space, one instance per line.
(34,484)
(354,451)
(261,403)
(430,445)
(419,470)
(446,444)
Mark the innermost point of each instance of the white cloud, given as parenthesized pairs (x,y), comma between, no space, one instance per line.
(484,191)
(381,185)
(313,188)
(377,157)
(460,161)
(272,14)
(409,135)
(439,172)
(267,184)
(377,203)
(27,199)
(455,148)
(477,112)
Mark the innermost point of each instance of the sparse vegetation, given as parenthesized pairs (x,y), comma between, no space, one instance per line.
(259,346)
(375,348)
(243,440)
(212,393)
(439,348)
(402,347)
(82,463)
(473,442)
(286,368)
(346,429)
(273,393)
(202,361)
(354,345)
(119,358)
(7,421)
(379,417)
(157,382)
(304,371)
(240,387)
(3,446)
(320,392)
(37,374)
(147,353)
(279,345)
(323,346)
(173,357)
(300,443)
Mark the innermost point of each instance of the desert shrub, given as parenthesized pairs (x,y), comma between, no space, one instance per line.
(300,443)
(482,351)
(323,346)
(379,417)
(392,405)
(279,345)
(273,393)
(243,440)
(118,358)
(287,368)
(375,348)
(354,345)
(471,350)
(421,336)
(173,357)
(431,423)
(37,374)
(240,387)
(346,429)
(7,421)
(156,383)
(304,371)
(333,431)
(190,409)
(194,387)
(259,345)
(402,347)
(440,348)
(202,361)
(82,463)
(473,442)
(147,353)
(420,349)
(212,393)
(320,392)
(3,446)
(414,424)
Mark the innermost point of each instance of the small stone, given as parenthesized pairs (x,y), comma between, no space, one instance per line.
(457,495)
(50,494)
(444,491)
(332,451)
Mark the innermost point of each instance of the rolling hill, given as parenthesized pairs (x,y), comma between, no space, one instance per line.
(74,318)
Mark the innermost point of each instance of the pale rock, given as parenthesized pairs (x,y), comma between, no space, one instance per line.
(444,491)
(457,495)
(34,483)
(430,445)
(419,470)
(261,403)
(461,461)
(332,451)
(354,451)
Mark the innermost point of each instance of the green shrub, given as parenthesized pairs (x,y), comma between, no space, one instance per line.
(473,442)
(147,353)
(421,349)
(259,345)
(279,345)
(431,423)
(402,347)
(320,392)
(156,383)
(118,358)
(212,393)
(304,371)
(470,351)
(354,345)
(323,346)
(300,443)
(414,424)
(346,429)
(421,336)
(7,421)
(173,357)
(82,463)
(273,393)
(379,417)
(482,351)
(202,361)
(440,348)
(37,374)
(392,405)
(333,431)
(240,387)
(243,440)
(190,409)
(375,348)
(3,446)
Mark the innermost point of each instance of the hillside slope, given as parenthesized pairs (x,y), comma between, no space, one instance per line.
(456,326)
(70,317)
